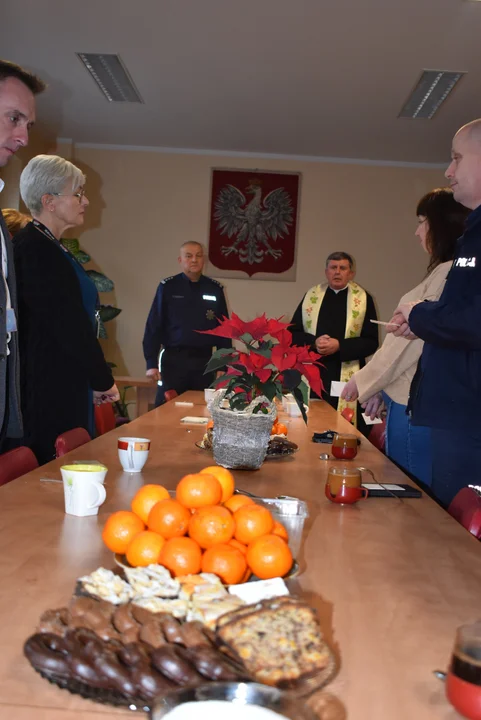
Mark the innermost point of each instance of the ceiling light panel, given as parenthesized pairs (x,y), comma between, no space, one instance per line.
(111,76)
(432,89)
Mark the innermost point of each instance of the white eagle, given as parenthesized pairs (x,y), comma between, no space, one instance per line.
(253,224)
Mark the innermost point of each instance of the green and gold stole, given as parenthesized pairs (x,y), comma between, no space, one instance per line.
(355,314)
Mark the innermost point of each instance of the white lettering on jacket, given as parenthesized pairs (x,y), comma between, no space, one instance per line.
(465,262)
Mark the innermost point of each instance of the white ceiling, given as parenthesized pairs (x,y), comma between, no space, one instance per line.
(300,77)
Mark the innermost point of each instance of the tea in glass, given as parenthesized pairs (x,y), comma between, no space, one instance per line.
(344,446)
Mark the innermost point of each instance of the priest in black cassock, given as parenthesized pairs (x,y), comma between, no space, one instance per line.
(334,320)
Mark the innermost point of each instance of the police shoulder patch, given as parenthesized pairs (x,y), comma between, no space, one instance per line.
(215,281)
(167,279)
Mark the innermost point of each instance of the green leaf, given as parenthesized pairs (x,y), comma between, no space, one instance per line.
(269,389)
(82,257)
(300,402)
(72,244)
(219,361)
(292,379)
(246,338)
(108,312)
(102,282)
(265,352)
(102,331)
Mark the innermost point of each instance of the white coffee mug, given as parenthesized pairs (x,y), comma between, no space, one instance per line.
(209,395)
(83,488)
(133,453)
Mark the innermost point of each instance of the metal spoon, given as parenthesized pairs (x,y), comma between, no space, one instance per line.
(440,675)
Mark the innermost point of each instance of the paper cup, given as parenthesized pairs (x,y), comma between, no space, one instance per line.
(83,488)
(133,453)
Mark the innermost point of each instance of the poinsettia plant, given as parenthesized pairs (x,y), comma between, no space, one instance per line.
(266,364)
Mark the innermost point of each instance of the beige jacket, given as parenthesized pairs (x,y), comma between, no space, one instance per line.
(393,366)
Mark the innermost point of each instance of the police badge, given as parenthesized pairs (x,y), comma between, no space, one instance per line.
(210,314)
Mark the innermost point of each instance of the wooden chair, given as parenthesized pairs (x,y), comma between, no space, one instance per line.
(465,507)
(70,440)
(170,395)
(15,463)
(377,436)
(104,418)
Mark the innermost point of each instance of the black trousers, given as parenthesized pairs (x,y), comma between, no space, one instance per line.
(183,369)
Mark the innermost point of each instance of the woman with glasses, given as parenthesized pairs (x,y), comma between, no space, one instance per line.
(62,368)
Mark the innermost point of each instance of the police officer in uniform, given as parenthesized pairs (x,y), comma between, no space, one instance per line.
(183,304)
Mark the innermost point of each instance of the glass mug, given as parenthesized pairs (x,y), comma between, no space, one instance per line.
(344,446)
(463,682)
(344,485)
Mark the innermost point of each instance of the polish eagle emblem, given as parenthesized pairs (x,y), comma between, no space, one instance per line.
(255,225)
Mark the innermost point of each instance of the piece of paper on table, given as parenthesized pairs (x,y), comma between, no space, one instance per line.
(337,388)
(195,420)
(375,486)
(184,404)
(368,420)
(252,592)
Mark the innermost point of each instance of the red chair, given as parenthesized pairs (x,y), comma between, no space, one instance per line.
(377,436)
(170,395)
(104,418)
(465,507)
(70,440)
(15,463)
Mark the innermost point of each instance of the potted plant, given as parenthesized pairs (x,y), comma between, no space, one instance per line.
(266,364)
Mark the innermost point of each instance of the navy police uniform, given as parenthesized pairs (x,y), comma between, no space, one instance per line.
(446,391)
(180,308)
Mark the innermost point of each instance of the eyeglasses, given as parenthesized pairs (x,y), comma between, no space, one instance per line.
(80,194)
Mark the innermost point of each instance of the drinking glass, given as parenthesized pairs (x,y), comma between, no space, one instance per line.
(463,682)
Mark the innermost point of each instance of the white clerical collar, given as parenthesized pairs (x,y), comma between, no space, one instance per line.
(338,291)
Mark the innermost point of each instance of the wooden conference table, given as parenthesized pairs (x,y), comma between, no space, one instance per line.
(391,579)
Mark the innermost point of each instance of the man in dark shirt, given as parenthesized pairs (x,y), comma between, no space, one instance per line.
(334,319)
(183,304)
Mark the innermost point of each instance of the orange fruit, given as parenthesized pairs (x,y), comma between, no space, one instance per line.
(269,556)
(274,428)
(198,490)
(211,525)
(281,429)
(145,549)
(145,499)
(182,556)
(251,522)
(235,543)
(226,562)
(169,518)
(225,477)
(120,529)
(247,575)
(237,501)
(280,530)
(209,425)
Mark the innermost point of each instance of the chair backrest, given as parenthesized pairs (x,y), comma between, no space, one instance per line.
(15,463)
(465,507)
(70,440)
(377,436)
(104,418)
(170,395)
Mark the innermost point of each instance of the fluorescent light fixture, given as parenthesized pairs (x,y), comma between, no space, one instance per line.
(111,76)
(432,89)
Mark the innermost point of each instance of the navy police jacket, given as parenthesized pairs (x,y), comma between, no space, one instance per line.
(180,308)
(447,393)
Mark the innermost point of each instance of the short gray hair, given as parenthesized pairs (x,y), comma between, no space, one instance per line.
(340,256)
(46,174)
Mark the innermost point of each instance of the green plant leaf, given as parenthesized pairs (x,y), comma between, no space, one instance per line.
(108,312)
(219,361)
(292,379)
(300,402)
(102,282)
(246,338)
(82,257)
(102,331)
(269,389)
(72,244)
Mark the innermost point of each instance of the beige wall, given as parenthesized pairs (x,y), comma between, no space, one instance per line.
(144,204)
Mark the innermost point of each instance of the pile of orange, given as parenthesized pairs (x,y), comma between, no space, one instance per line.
(279,428)
(206,528)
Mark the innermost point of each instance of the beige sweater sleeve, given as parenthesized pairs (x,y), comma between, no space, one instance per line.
(394,364)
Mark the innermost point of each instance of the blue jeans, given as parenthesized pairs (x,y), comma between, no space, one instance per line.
(456,462)
(409,446)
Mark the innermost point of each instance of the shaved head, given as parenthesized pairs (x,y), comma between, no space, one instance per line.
(464,171)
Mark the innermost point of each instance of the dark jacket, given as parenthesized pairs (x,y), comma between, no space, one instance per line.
(10,361)
(60,354)
(447,390)
(181,307)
